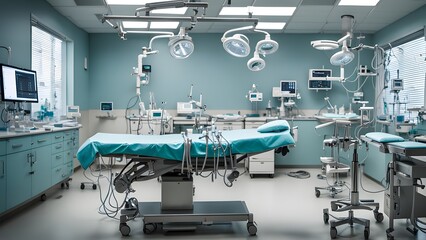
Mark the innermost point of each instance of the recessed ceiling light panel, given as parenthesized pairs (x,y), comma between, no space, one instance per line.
(358,2)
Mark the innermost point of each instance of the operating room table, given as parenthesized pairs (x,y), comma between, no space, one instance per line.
(175,158)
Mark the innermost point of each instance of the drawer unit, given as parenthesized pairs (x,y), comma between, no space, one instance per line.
(32,163)
(18,144)
(2,148)
(57,147)
(58,159)
(261,167)
(263,163)
(57,137)
(57,174)
(68,156)
(224,126)
(41,140)
(68,144)
(68,135)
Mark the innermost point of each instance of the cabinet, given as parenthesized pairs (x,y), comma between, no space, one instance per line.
(229,125)
(262,163)
(28,163)
(2,176)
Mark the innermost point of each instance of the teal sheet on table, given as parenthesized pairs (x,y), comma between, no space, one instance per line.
(171,146)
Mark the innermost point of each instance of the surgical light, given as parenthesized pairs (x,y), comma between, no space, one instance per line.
(324,44)
(256,63)
(342,57)
(181,46)
(237,45)
(266,46)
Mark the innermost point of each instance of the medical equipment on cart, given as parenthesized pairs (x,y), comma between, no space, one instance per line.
(331,165)
(354,202)
(254,96)
(404,174)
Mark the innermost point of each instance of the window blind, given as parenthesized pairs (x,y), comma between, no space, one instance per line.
(407,59)
(47,60)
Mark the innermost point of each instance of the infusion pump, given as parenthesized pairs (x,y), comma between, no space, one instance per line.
(318,79)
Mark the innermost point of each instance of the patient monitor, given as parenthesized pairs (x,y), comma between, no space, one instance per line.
(106,107)
(288,88)
(73,112)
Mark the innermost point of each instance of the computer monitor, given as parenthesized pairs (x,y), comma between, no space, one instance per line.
(18,84)
(106,106)
(288,88)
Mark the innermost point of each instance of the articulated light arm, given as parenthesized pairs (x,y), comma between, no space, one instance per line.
(344,38)
(236,30)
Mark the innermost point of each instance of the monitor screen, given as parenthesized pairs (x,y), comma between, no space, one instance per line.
(288,88)
(18,84)
(106,106)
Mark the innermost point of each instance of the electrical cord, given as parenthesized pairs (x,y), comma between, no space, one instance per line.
(301,174)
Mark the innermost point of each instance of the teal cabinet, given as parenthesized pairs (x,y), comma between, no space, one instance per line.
(31,164)
(2,183)
(18,179)
(41,166)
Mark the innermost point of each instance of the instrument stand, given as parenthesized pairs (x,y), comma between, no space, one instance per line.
(354,203)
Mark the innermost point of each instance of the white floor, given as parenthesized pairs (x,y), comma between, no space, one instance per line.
(283,208)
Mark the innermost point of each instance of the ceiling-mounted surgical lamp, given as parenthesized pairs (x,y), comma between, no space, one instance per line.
(256,63)
(266,46)
(181,45)
(324,44)
(238,44)
(342,57)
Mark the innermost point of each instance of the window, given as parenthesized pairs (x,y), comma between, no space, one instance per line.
(408,61)
(48,60)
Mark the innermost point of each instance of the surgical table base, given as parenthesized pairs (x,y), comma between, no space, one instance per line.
(206,213)
(354,203)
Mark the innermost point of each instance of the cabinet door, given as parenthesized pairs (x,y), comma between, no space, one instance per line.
(2,184)
(18,178)
(42,170)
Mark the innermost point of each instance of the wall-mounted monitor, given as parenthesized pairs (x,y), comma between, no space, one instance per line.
(18,84)
(106,106)
(288,88)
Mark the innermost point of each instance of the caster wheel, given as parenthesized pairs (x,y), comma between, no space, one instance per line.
(94,186)
(379,217)
(82,186)
(124,229)
(251,228)
(43,197)
(271,175)
(325,217)
(333,232)
(317,193)
(62,185)
(67,185)
(333,206)
(149,228)
(251,175)
(366,232)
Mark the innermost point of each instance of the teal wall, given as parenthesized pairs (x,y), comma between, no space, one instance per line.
(223,79)
(15,31)
(411,23)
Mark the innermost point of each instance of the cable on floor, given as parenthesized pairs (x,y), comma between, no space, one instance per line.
(301,174)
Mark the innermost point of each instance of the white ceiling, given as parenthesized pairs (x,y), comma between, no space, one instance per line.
(311,16)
